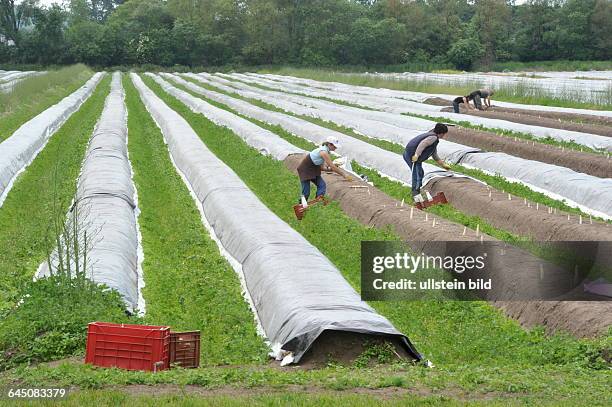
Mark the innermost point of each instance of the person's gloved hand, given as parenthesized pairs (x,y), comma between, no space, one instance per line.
(415,158)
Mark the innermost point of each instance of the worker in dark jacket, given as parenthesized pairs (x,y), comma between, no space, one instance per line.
(309,169)
(458,100)
(420,149)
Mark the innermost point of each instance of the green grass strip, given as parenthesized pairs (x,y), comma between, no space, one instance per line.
(324,397)
(488,386)
(35,94)
(188,284)
(449,332)
(26,213)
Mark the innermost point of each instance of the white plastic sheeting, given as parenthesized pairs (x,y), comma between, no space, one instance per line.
(344,115)
(18,151)
(262,139)
(15,75)
(297,292)
(395,105)
(387,163)
(6,85)
(584,90)
(107,201)
(591,194)
(420,96)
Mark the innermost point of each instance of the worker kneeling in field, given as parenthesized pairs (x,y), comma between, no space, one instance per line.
(309,169)
(420,149)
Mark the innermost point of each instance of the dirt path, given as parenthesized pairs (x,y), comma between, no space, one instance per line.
(587,163)
(374,208)
(516,216)
(384,394)
(567,121)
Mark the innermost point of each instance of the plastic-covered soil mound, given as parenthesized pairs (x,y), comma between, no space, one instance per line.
(295,292)
(20,149)
(587,163)
(556,120)
(516,216)
(383,161)
(374,208)
(579,318)
(107,205)
(345,348)
(374,99)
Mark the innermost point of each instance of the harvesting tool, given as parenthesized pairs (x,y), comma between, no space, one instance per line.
(300,209)
(439,199)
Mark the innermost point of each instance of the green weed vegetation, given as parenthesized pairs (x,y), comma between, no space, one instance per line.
(35,94)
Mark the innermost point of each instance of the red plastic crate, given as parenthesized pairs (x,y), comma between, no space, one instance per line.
(185,349)
(132,347)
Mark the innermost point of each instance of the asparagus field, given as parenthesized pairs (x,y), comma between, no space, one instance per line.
(168,199)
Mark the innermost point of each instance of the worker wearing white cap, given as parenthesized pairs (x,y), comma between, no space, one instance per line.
(309,169)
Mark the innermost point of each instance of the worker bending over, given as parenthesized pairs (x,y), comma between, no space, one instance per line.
(477,97)
(458,100)
(420,149)
(309,169)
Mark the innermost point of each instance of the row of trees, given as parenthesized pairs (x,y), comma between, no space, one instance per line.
(303,32)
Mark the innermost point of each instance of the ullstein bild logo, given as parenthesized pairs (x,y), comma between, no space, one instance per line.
(495,271)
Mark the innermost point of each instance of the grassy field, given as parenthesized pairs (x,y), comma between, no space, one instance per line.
(35,94)
(481,357)
(511,93)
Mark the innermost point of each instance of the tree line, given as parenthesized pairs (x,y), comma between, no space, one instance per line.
(462,33)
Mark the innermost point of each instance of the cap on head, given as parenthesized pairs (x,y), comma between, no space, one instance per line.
(333,140)
(440,128)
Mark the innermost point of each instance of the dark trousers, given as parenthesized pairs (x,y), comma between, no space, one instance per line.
(478,102)
(417,172)
(318,181)
(456,106)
